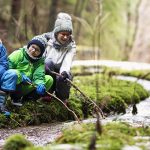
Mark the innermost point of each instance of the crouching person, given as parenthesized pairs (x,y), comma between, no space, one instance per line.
(3,68)
(26,66)
(59,55)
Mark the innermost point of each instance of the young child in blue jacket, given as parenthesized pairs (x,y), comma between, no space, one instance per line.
(3,68)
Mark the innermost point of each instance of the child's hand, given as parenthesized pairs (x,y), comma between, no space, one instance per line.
(40,89)
(0,41)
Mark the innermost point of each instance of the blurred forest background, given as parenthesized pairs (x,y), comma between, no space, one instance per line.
(103,29)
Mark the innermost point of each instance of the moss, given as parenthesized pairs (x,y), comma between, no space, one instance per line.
(16,142)
(43,112)
(142,93)
(110,94)
(70,135)
(114,95)
(114,135)
(76,104)
(144,74)
(36,148)
(117,104)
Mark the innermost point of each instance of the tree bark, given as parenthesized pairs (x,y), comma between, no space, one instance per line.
(35,18)
(80,5)
(127,46)
(52,14)
(15,9)
(15,14)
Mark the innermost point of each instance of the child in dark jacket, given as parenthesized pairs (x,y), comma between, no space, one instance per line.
(27,65)
(3,68)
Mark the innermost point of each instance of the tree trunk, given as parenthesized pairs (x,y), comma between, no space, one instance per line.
(80,5)
(52,14)
(127,46)
(35,18)
(141,47)
(15,14)
(15,9)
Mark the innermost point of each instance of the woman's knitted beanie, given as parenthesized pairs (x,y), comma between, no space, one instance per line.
(63,23)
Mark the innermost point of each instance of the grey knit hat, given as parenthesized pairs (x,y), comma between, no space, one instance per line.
(63,23)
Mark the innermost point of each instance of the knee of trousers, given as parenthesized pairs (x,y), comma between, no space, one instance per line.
(48,82)
(9,80)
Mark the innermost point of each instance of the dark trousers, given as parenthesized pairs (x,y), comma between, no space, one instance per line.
(61,87)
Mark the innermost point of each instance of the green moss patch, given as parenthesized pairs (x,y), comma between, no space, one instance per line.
(114,135)
(17,142)
(110,94)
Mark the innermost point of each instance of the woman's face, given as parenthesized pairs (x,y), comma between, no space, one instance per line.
(63,37)
(34,50)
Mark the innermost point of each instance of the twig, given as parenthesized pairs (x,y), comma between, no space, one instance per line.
(15,121)
(97,107)
(52,95)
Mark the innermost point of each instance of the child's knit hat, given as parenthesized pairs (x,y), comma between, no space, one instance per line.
(63,23)
(40,41)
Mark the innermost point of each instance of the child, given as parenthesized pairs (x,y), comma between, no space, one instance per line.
(60,53)
(3,68)
(27,65)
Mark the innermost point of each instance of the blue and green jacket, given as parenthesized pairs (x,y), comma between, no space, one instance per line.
(21,62)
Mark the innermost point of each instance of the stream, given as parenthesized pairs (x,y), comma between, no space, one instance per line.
(142,118)
(46,133)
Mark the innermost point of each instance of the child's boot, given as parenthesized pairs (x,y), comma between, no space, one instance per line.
(3,109)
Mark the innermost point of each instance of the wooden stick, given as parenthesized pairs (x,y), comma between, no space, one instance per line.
(97,107)
(52,95)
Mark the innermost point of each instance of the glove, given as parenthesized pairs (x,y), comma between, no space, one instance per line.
(40,89)
(64,75)
(25,79)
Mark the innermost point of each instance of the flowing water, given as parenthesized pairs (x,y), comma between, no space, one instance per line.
(142,118)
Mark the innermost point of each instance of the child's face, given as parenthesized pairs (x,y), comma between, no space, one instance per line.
(34,50)
(63,37)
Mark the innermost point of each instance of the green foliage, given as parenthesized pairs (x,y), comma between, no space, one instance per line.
(115,103)
(110,94)
(36,148)
(114,95)
(144,74)
(112,26)
(76,103)
(17,142)
(43,112)
(70,135)
(114,135)
(115,27)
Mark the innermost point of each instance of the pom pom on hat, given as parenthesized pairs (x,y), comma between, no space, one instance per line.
(63,23)
(40,41)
